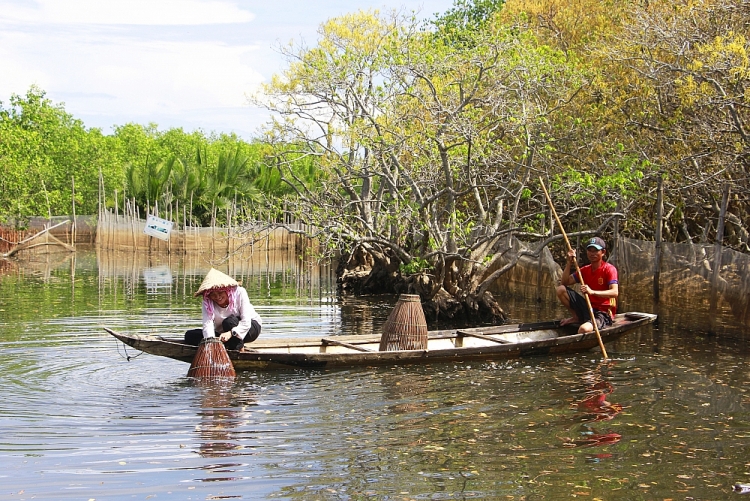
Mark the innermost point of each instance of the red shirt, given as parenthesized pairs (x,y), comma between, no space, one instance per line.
(600,280)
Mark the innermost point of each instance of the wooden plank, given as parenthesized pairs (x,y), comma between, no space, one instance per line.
(327,340)
(482,336)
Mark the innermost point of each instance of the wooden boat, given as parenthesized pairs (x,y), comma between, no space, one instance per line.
(480,343)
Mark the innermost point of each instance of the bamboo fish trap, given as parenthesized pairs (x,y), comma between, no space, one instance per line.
(406,326)
(211,361)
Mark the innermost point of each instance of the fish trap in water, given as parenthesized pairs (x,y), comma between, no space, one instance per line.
(211,361)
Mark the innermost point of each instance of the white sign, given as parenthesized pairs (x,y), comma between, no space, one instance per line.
(157,227)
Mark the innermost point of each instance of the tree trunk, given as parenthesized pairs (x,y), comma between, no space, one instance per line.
(446,303)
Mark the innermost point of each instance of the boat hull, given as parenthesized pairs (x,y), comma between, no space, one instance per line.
(483,343)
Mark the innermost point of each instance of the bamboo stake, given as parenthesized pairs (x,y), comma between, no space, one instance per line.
(578,270)
(184,230)
(716,275)
(657,236)
(117,220)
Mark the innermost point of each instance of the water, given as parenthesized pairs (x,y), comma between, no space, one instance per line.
(667,418)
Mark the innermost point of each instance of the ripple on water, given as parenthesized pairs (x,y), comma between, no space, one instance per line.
(79,421)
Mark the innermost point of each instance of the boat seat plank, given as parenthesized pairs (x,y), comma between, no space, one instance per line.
(327,340)
(482,336)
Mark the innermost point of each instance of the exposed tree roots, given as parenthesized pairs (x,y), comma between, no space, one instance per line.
(361,274)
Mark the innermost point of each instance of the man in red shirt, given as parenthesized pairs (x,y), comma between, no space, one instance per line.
(599,282)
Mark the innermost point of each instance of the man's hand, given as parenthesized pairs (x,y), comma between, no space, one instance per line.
(572,256)
(225,336)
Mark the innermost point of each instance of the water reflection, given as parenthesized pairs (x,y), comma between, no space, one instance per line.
(595,408)
(220,431)
(157,279)
(405,392)
(79,422)
(218,419)
(594,405)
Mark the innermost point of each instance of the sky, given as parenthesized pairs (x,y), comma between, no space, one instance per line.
(176,63)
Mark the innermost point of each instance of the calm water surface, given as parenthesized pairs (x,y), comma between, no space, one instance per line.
(667,418)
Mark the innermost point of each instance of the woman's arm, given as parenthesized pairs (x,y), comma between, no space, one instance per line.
(208,323)
(247,314)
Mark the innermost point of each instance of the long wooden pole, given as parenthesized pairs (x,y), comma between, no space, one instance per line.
(657,235)
(73,199)
(578,270)
(716,275)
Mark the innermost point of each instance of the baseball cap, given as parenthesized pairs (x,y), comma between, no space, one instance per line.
(597,243)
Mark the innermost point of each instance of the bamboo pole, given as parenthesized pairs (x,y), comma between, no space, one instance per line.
(100,207)
(657,236)
(578,269)
(184,229)
(117,220)
(616,231)
(716,272)
(539,267)
(131,214)
(73,199)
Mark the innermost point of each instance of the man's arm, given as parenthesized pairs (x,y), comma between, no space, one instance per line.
(567,277)
(613,291)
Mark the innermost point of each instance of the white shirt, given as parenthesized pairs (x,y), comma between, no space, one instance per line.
(243,309)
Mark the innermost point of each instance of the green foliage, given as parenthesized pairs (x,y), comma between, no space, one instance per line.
(464,17)
(206,173)
(43,150)
(416,265)
(430,136)
(600,191)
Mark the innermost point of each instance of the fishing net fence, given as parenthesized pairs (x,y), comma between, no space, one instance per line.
(711,279)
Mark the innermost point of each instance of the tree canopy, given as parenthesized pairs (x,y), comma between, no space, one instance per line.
(431,137)
(413,148)
(46,154)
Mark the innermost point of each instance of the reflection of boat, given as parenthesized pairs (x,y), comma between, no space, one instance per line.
(480,343)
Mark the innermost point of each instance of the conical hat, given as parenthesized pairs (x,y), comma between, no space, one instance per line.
(215,279)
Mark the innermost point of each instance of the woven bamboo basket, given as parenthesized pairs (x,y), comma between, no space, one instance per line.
(406,326)
(211,361)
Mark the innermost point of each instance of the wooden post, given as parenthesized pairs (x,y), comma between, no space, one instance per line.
(117,220)
(176,219)
(132,224)
(184,229)
(715,276)
(616,235)
(722,215)
(657,236)
(213,228)
(100,206)
(138,219)
(539,266)
(73,198)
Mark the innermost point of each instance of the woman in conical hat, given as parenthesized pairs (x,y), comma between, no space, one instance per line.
(227,312)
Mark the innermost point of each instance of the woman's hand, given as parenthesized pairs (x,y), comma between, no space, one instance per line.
(225,336)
